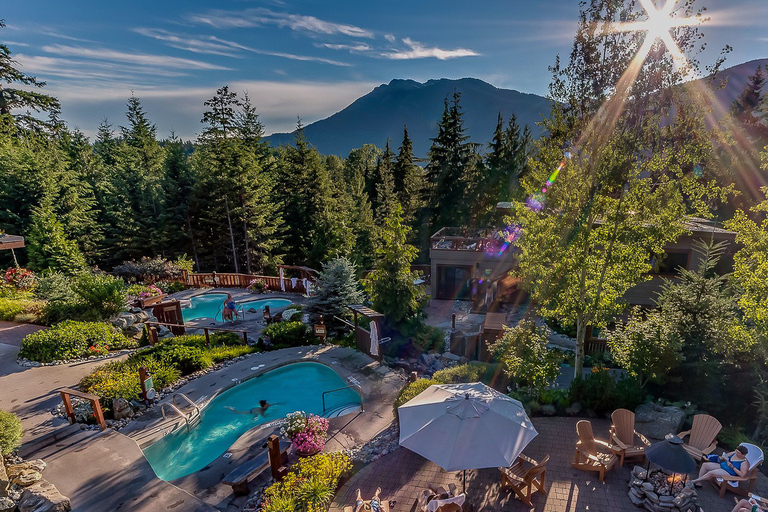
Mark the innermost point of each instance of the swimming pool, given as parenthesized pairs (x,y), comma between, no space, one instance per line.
(295,387)
(208,305)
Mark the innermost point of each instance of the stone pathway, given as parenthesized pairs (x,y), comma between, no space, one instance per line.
(403,474)
(31,393)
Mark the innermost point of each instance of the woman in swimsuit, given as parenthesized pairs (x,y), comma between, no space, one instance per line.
(229,309)
(731,464)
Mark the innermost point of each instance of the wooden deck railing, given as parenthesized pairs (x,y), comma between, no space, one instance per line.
(227,280)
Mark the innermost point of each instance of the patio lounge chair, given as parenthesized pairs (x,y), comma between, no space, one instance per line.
(447,505)
(623,436)
(588,457)
(703,436)
(733,483)
(522,479)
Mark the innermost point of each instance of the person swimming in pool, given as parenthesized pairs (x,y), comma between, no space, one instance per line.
(261,410)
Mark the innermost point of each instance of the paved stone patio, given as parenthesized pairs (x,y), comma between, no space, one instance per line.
(403,474)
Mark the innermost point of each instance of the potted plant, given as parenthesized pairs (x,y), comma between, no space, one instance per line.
(306,431)
(258,286)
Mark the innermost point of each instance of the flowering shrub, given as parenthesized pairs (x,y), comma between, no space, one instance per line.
(139,291)
(258,286)
(171,286)
(19,278)
(307,431)
(309,485)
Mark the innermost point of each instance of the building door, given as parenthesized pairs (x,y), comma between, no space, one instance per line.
(453,282)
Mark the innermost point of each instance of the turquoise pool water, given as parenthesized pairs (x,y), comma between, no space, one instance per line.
(208,304)
(296,387)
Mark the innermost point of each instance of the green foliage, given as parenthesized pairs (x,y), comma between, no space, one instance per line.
(336,287)
(412,390)
(11,308)
(11,432)
(523,350)
(150,270)
(424,336)
(171,287)
(104,294)
(391,284)
(55,287)
(732,436)
(648,348)
(120,379)
(559,397)
(48,246)
(71,339)
(601,393)
(289,334)
(309,485)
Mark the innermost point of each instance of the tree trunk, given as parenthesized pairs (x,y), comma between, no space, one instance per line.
(581,334)
(232,237)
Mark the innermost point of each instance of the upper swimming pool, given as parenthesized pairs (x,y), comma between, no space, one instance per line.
(295,387)
(208,305)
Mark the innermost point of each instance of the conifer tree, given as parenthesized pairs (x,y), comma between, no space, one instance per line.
(408,179)
(385,186)
(48,246)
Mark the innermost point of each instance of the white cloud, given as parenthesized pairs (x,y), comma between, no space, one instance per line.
(143,59)
(389,37)
(217,46)
(260,16)
(360,47)
(46,66)
(419,51)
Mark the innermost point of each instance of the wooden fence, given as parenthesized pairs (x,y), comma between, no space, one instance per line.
(226,280)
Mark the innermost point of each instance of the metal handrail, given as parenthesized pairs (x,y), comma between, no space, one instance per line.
(356,387)
(178,411)
(189,401)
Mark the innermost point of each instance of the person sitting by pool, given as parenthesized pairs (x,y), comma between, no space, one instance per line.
(229,309)
(374,504)
(731,464)
(256,411)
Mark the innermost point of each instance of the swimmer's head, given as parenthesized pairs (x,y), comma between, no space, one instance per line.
(262,403)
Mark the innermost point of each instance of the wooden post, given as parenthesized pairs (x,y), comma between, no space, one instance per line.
(153,338)
(68,409)
(453,321)
(207,338)
(245,337)
(276,462)
(98,414)
(320,330)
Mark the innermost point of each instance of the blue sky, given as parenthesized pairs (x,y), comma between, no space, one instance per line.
(306,58)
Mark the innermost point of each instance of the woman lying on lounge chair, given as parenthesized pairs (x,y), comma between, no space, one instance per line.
(750,505)
(373,505)
(731,464)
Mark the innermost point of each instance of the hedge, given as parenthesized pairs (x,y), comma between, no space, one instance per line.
(11,432)
(70,340)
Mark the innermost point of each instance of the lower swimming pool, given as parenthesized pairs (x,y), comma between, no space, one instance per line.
(208,305)
(295,387)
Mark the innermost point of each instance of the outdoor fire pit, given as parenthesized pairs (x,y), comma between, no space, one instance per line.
(664,488)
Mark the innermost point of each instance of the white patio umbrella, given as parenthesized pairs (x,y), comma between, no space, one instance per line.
(282,280)
(374,339)
(465,426)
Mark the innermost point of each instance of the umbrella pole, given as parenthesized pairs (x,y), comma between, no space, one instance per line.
(464,486)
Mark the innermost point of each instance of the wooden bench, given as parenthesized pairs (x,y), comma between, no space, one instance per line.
(70,411)
(239,477)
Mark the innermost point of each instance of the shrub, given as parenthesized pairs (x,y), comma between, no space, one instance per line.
(257,286)
(150,270)
(491,374)
(424,336)
(120,379)
(229,339)
(71,339)
(412,390)
(171,286)
(309,484)
(19,278)
(289,334)
(523,350)
(10,308)
(184,358)
(224,353)
(100,292)
(601,393)
(55,287)
(11,432)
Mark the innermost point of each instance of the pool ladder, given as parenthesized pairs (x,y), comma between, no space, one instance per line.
(355,387)
(192,419)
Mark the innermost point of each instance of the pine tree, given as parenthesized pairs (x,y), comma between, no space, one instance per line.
(385,186)
(391,284)
(336,288)
(448,168)
(361,221)
(178,183)
(408,180)
(48,246)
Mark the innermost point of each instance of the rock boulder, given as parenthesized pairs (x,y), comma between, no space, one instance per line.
(5,482)
(655,421)
(7,504)
(43,497)
(122,408)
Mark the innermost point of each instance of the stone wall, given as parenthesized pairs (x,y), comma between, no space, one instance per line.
(22,485)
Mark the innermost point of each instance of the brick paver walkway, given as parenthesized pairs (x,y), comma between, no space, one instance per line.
(403,474)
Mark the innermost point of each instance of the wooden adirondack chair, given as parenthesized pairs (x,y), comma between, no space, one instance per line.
(623,436)
(588,457)
(524,479)
(733,483)
(703,436)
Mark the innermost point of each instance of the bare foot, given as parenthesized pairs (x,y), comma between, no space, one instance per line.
(359,495)
(378,491)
